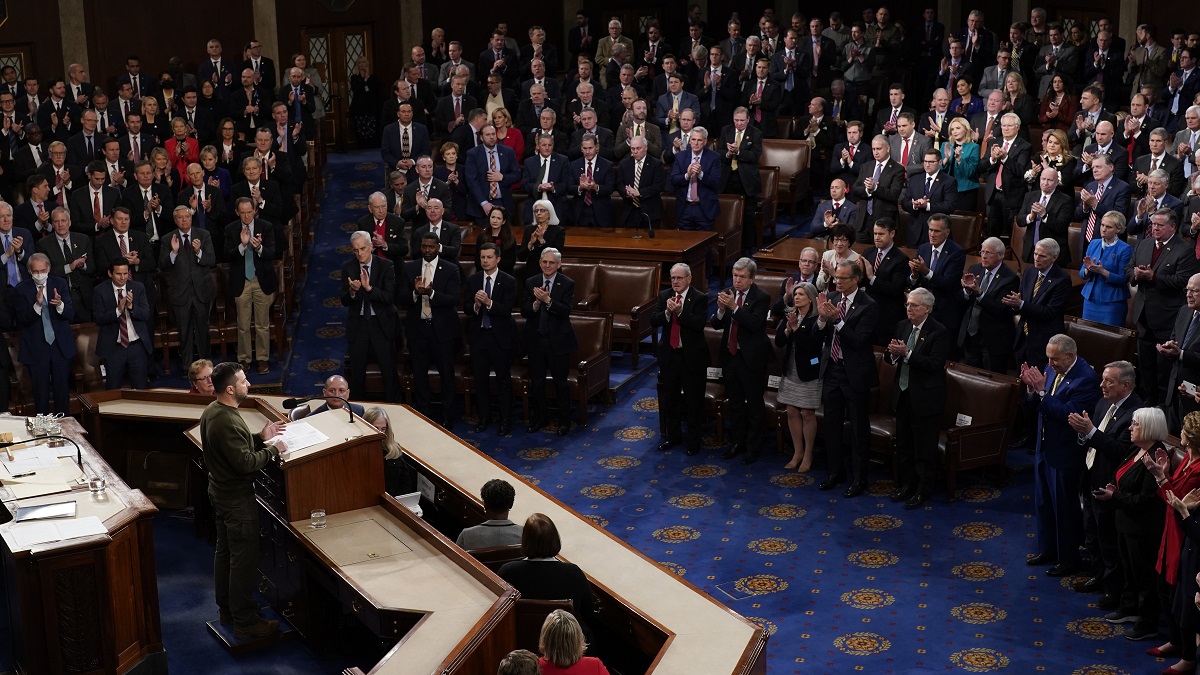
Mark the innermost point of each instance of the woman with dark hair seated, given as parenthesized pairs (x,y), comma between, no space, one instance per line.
(562,646)
(541,576)
(499,232)
(967,104)
(545,232)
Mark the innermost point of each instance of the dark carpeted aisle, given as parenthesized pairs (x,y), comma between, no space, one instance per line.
(844,585)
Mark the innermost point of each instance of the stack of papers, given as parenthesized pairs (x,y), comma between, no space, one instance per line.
(28,535)
(299,435)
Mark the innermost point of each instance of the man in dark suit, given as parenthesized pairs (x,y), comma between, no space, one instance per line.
(745,355)
(740,148)
(70,259)
(1104,65)
(58,116)
(451,110)
(886,116)
(492,171)
(141,84)
(545,177)
(762,96)
(1003,175)
(263,67)
(931,191)
(91,206)
(837,210)
(388,231)
(1160,268)
(683,359)
(1103,194)
(369,295)
(640,182)
(1067,385)
(201,125)
(986,336)
(581,38)
(490,298)
(250,248)
(47,346)
(125,341)
(1156,198)
(885,278)
(1182,85)
(696,175)
(919,349)
(118,171)
(878,187)
(1041,303)
(135,144)
(1156,157)
(1182,351)
(300,99)
(1106,144)
(429,289)
(1106,437)
(84,147)
(449,235)
(549,338)
(149,203)
(978,43)
(420,191)
(717,90)
(499,60)
(121,243)
(185,260)
(537,78)
(1046,213)
(589,127)
(848,156)
(847,319)
(404,141)
(791,68)
(222,72)
(985,127)
(939,267)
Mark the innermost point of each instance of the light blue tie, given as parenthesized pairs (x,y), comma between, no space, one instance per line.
(47,330)
(14,277)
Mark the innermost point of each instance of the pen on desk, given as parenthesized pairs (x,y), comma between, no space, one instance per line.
(24,475)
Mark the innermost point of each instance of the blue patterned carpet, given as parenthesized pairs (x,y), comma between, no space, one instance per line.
(843,585)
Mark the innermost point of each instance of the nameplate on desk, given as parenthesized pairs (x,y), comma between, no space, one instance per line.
(714,373)
(962,420)
(425,487)
(773,381)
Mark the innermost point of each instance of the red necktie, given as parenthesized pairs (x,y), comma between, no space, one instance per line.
(758,108)
(733,328)
(124,324)
(675,341)
(96,213)
(587,195)
(1091,223)
(904,155)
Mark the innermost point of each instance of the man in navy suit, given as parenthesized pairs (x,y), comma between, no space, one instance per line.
(670,104)
(846,323)
(369,296)
(501,60)
(125,342)
(404,142)
(836,210)
(549,338)
(44,315)
(640,182)
(696,175)
(1068,385)
(744,354)
(1003,175)
(1156,198)
(140,84)
(885,278)
(683,359)
(939,267)
(850,155)
(986,335)
(879,187)
(762,96)
(545,176)
(220,71)
(491,295)
(448,234)
(429,290)
(492,171)
(1106,144)
(929,192)
(1105,193)
(1157,157)
(590,181)
(1159,269)
(1041,303)
(919,348)
(1046,213)
(1181,86)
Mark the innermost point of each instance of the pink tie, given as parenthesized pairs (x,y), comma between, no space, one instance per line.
(1000,171)
(694,186)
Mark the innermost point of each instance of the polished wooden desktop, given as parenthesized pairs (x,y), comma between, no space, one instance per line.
(88,604)
(601,244)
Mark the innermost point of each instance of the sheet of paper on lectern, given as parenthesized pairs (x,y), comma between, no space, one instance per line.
(300,435)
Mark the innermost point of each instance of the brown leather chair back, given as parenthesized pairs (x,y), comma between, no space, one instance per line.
(668,220)
(792,158)
(587,292)
(982,395)
(86,369)
(1100,344)
(965,229)
(531,614)
(494,557)
(768,205)
(621,287)
(1075,243)
(1016,242)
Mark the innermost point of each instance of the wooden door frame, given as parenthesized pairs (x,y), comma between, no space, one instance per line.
(339,89)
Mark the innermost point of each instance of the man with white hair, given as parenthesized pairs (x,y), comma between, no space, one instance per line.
(1003,175)
(1156,198)
(1041,303)
(986,336)
(1046,213)
(1187,140)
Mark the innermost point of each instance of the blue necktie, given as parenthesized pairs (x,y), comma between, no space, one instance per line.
(250,260)
(487,289)
(14,277)
(296,109)
(47,330)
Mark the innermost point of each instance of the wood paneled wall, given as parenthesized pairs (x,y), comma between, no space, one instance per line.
(33,27)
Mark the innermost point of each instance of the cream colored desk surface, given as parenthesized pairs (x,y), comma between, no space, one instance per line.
(154,409)
(708,637)
(407,574)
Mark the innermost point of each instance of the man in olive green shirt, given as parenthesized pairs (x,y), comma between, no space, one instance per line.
(233,455)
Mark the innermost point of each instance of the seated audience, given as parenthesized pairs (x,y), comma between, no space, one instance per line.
(498,496)
(562,646)
(541,576)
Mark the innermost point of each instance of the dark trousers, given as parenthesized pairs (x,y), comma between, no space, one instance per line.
(192,319)
(1100,540)
(681,396)
(424,349)
(1166,598)
(132,361)
(81,301)
(367,344)
(50,373)
(541,359)
(734,186)
(1140,594)
(1056,503)
(744,387)
(977,354)
(235,563)
(487,355)
(844,401)
(1000,217)
(1152,372)
(587,215)
(916,445)
(691,217)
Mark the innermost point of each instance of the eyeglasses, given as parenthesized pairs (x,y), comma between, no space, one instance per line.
(206,378)
(843,278)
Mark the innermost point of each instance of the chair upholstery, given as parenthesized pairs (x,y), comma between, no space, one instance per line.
(728,227)
(882,417)
(586,277)
(965,229)
(768,206)
(1100,344)
(714,390)
(531,614)
(630,293)
(589,364)
(990,400)
(792,158)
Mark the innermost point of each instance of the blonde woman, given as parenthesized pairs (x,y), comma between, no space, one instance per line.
(392,464)
(960,156)
(562,647)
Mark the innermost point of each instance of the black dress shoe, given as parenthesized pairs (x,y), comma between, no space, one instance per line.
(506,428)
(535,425)
(832,482)
(750,458)
(1039,559)
(916,501)
(1108,601)
(1062,569)
(903,493)
(667,443)
(564,429)
(1088,586)
(733,451)
(856,488)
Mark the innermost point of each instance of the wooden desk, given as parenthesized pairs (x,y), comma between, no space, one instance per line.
(89,604)
(682,630)
(597,244)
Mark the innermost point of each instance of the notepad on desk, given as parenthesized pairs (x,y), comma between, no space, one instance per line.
(27,535)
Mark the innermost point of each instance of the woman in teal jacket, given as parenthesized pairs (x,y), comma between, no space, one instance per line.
(960,156)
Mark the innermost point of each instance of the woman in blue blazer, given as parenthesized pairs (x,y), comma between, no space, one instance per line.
(1105,293)
(960,156)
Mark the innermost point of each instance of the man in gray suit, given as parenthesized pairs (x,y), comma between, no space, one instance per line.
(186,258)
(1059,57)
(1187,140)
(908,147)
(993,76)
(448,68)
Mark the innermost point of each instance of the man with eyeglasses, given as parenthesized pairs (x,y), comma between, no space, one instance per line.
(262,66)
(809,269)
(745,353)
(1040,303)
(986,337)
(1161,265)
